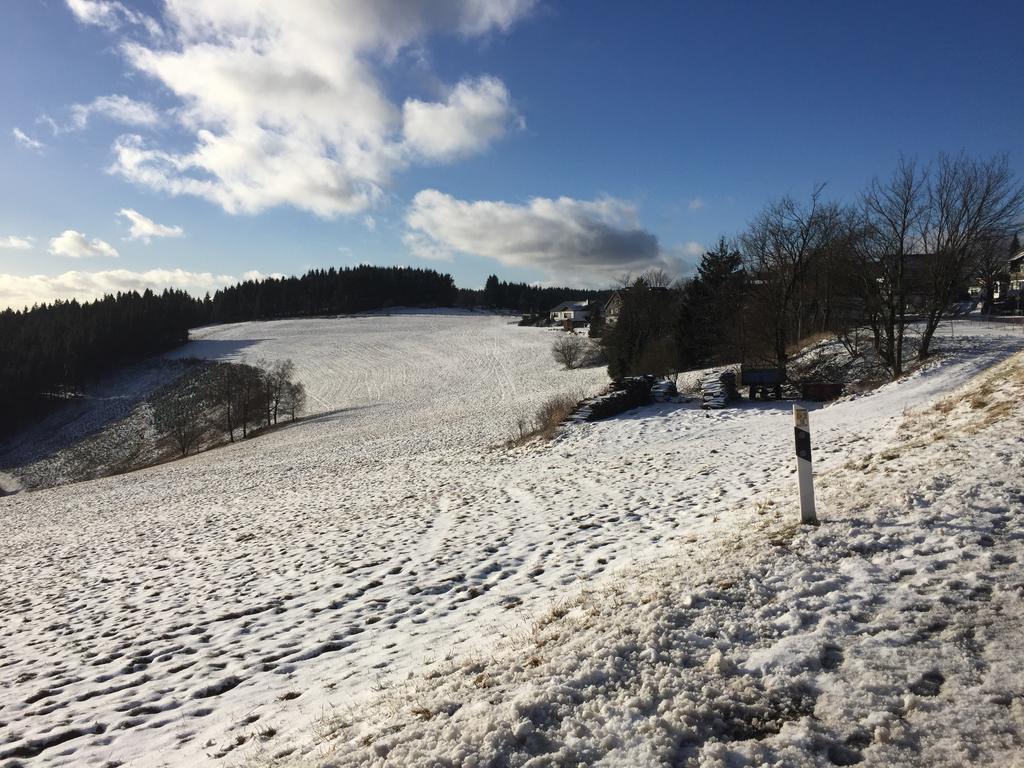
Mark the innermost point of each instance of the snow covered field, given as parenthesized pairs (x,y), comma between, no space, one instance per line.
(221,607)
(890,635)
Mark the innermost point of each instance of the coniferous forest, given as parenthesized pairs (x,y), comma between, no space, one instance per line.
(525,298)
(50,352)
(332,292)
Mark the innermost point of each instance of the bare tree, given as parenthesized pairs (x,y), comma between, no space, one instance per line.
(779,248)
(569,350)
(251,395)
(969,201)
(622,282)
(276,378)
(181,412)
(246,396)
(890,215)
(293,399)
(655,277)
(225,384)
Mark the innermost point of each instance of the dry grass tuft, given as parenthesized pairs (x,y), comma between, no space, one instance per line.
(551,414)
(808,341)
(990,398)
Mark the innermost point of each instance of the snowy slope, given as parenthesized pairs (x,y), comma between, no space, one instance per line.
(90,436)
(443,379)
(123,599)
(889,635)
(224,605)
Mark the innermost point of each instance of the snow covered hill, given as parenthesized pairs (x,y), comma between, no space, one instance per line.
(96,435)
(340,577)
(890,635)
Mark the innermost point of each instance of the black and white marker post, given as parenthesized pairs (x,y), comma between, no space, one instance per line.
(802,430)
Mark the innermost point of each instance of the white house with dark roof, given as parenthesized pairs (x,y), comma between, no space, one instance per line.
(575,312)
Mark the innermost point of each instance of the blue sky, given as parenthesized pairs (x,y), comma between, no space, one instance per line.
(544,141)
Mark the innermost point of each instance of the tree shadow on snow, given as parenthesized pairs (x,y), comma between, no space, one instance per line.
(108,401)
(212,349)
(326,417)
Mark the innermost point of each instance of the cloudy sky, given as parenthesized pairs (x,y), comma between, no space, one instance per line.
(194,142)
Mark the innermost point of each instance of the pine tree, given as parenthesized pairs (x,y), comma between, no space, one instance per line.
(707,330)
(492,292)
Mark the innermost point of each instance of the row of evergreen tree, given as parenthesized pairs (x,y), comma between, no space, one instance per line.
(332,292)
(525,298)
(50,352)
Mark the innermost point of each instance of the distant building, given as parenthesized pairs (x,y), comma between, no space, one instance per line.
(1008,283)
(612,308)
(572,312)
(1015,268)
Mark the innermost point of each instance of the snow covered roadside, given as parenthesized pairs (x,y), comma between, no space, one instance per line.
(889,635)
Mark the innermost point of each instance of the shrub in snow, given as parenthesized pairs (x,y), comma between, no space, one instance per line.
(569,350)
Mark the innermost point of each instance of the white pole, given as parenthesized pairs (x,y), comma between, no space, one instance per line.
(802,430)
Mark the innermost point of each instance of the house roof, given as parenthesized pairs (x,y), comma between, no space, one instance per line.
(577,306)
(619,293)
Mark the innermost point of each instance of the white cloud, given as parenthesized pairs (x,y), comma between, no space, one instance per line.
(285,100)
(145,229)
(585,242)
(427,247)
(110,14)
(16,243)
(686,256)
(50,123)
(75,245)
(475,113)
(255,274)
(370,223)
(121,109)
(696,204)
(98,12)
(27,141)
(18,292)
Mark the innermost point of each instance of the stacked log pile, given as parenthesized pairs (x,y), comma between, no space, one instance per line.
(664,391)
(717,389)
(623,395)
